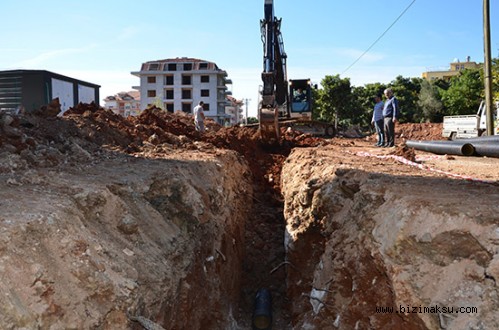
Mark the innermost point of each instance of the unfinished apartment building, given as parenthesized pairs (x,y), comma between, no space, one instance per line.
(180,83)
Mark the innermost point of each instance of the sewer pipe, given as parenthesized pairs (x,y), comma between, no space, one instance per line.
(262,312)
(443,147)
(481,139)
(487,149)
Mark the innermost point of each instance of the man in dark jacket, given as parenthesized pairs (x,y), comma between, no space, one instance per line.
(391,112)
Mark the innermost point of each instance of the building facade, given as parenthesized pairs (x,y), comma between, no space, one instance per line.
(124,103)
(234,110)
(455,67)
(31,89)
(178,84)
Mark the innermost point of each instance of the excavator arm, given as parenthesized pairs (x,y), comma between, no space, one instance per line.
(275,96)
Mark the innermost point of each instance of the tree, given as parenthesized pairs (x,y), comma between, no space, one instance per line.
(335,99)
(252,120)
(407,90)
(364,101)
(430,103)
(495,78)
(465,93)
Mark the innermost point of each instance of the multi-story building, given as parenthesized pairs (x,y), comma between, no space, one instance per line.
(180,83)
(234,110)
(124,103)
(455,67)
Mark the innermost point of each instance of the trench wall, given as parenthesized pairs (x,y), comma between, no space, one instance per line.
(158,239)
(359,240)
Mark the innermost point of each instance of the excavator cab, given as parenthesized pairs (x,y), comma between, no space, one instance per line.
(301,97)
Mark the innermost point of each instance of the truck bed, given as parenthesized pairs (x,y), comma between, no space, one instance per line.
(460,126)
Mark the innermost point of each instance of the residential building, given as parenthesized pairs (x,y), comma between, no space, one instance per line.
(455,67)
(32,89)
(234,110)
(180,83)
(124,103)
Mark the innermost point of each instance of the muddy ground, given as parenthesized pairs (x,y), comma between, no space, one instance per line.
(113,223)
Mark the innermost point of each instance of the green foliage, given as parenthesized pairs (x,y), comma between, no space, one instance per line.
(419,99)
(406,91)
(430,103)
(364,97)
(495,78)
(464,93)
(252,120)
(335,101)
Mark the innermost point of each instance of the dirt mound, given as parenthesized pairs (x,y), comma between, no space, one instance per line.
(85,129)
(421,131)
(406,152)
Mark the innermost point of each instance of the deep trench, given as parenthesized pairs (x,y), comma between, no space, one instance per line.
(263,264)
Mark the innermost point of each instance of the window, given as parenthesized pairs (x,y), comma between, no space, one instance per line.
(206,107)
(187,66)
(151,93)
(169,80)
(186,94)
(151,80)
(203,65)
(169,94)
(205,92)
(153,66)
(168,107)
(187,107)
(172,66)
(205,79)
(186,79)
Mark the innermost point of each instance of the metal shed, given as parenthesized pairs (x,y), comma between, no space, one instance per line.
(31,89)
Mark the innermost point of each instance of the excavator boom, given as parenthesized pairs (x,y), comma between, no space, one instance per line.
(283,103)
(275,97)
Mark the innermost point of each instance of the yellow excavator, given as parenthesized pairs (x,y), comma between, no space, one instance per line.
(283,103)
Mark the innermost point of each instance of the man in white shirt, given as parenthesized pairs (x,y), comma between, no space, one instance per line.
(199,117)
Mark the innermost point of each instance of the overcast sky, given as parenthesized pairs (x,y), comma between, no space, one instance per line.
(103,41)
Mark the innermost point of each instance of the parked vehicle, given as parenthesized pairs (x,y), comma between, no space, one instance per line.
(469,126)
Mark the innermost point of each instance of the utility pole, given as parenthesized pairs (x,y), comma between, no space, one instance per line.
(246,102)
(487,70)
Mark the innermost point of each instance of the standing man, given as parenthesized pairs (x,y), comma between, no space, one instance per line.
(391,112)
(199,117)
(378,120)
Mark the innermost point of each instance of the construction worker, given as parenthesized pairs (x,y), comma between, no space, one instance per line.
(199,117)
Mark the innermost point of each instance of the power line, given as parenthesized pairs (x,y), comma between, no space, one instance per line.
(381,36)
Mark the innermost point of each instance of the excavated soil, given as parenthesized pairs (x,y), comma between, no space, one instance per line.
(112,223)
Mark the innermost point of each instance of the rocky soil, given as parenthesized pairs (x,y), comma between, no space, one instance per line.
(115,223)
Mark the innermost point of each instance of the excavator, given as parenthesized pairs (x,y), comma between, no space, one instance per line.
(284,103)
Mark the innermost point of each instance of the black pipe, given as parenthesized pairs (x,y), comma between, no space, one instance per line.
(262,311)
(481,139)
(443,147)
(489,149)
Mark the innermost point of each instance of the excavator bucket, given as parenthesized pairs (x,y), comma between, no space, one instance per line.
(269,124)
